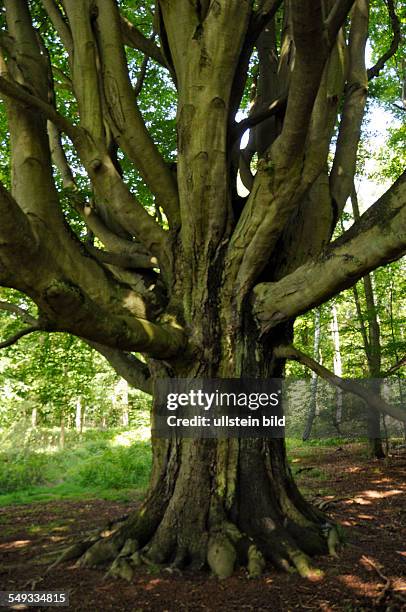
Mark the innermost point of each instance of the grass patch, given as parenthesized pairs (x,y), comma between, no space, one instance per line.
(113,465)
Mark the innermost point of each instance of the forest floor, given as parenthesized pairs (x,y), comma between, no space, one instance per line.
(368,498)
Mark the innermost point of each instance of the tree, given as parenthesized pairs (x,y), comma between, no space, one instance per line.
(371,337)
(175,264)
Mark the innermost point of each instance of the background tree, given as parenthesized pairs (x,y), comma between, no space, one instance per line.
(201,281)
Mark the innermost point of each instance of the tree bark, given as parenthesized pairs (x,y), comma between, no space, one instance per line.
(199,508)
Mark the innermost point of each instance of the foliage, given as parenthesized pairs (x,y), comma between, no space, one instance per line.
(112,464)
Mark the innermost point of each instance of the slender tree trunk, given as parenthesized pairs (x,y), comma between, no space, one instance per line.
(125,415)
(337,366)
(313,387)
(79,415)
(372,345)
(397,356)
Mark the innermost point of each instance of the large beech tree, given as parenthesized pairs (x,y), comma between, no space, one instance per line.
(211,284)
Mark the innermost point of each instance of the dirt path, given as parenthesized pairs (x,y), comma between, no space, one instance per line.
(370,573)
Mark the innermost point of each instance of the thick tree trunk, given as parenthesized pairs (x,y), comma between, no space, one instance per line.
(220,503)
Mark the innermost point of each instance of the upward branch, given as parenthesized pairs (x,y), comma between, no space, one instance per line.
(126,121)
(134,38)
(379,237)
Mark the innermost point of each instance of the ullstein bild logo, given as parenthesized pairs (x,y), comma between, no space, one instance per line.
(203,408)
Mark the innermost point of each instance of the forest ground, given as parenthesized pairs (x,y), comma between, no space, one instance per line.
(368,498)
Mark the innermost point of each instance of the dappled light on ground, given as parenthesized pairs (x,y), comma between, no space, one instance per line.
(375,531)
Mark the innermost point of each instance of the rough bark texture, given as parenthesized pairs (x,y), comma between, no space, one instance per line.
(213,292)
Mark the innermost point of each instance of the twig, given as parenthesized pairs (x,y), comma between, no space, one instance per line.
(387,581)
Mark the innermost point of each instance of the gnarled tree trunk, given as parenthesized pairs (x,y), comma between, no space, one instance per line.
(221,502)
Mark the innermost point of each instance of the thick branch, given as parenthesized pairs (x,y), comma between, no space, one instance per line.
(262,17)
(126,121)
(81,299)
(59,23)
(345,160)
(110,239)
(85,70)
(375,70)
(17,242)
(132,37)
(372,400)
(337,17)
(311,54)
(379,237)
(59,157)
(134,371)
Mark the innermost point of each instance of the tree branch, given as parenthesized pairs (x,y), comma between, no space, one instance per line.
(345,159)
(379,237)
(311,54)
(375,70)
(17,241)
(337,17)
(134,371)
(16,337)
(20,312)
(276,107)
(21,95)
(85,67)
(59,24)
(126,121)
(132,37)
(399,364)
(137,261)
(262,17)
(141,77)
(372,400)
(110,239)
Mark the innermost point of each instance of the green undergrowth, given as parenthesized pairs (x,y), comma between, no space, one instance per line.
(113,464)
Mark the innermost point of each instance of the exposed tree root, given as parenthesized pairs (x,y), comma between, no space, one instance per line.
(227,547)
(195,517)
